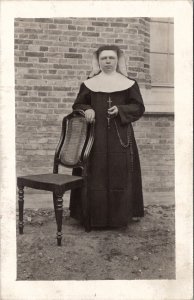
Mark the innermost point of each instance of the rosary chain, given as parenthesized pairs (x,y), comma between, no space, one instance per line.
(128,136)
(129,141)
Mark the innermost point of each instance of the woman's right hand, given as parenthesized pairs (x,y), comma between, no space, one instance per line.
(90,115)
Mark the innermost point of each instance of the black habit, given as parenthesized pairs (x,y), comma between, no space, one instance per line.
(114,174)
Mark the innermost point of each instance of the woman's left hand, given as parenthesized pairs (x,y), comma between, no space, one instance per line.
(113,111)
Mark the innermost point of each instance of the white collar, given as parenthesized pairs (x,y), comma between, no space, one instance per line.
(108,83)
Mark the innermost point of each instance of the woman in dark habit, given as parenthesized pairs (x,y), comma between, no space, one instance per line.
(114,176)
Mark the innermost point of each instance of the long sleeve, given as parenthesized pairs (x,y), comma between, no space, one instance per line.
(134,107)
(83,100)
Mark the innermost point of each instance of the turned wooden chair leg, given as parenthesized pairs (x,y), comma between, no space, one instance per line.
(55,205)
(86,209)
(21,208)
(59,216)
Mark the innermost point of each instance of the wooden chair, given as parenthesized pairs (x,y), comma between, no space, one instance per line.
(73,149)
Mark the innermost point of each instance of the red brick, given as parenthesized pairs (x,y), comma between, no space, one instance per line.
(42,94)
(22,93)
(146,66)
(52,76)
(42,71)
(54,54)
(18,30)
(119,24)
(109,29)
(34,54)
(43,111)
(61,88)
(60,66)
(33,36)
(72,49)
(52,71)
(79,28)
(52,26)
(25,59)
(44,20)
(23,65)
(109,35)
(91,28)
(50,99)
(23,36)
(23,41)
(31,76)
(71,27)
(92,34)
(100,24)
(56,32)
(43,48)
(31,99)
(136,58)
(43,60)
(32,71)
(33,30)
(43,88)
(118,40)
(62,21)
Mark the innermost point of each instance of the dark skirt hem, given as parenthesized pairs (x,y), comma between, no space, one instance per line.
(104,226)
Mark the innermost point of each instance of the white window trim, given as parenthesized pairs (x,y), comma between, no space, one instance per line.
(160,98)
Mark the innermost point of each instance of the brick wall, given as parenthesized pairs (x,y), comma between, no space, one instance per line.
(52,58)
(155,138)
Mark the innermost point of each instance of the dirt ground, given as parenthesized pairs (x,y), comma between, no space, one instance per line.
(143,250)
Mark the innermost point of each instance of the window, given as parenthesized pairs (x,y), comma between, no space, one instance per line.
(162,52)
(160,98)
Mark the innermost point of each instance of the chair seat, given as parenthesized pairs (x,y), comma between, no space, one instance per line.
(50,182)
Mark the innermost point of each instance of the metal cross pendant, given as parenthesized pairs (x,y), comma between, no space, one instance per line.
(109,106)
(109,102)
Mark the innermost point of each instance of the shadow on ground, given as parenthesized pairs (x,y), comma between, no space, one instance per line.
(143,250)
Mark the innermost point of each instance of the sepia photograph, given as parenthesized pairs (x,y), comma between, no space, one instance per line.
(118,72)
(96,160)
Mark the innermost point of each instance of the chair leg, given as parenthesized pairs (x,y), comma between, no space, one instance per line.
(55,205)
(21,208)
(86,209)
(59,216)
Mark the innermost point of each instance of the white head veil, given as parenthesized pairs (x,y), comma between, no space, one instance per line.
(121,66)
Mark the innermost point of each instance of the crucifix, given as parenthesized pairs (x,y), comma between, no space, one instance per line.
(109,106)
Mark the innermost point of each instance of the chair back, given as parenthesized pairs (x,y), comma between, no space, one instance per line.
(76,141)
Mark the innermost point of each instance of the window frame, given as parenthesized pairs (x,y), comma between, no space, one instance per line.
(168,84)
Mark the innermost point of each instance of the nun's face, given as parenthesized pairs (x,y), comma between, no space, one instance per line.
(108,61)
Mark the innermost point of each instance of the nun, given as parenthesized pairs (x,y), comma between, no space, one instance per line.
(114,101)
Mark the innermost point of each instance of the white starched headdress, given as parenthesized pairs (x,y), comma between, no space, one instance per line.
(121,66)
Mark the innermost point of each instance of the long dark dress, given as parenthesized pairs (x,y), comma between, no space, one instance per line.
(114,174)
